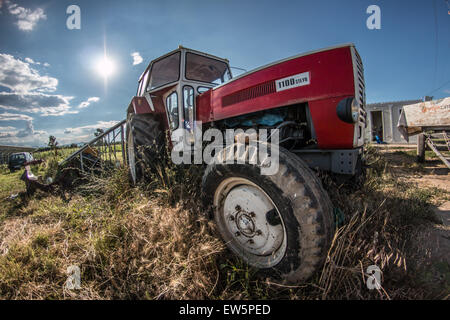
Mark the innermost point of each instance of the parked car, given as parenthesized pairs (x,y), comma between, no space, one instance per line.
(16,160)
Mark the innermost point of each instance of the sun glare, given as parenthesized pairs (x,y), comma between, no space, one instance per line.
(105,67)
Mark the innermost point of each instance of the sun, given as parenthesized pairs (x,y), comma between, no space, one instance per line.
(105,67)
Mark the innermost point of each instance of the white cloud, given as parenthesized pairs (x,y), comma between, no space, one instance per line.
(29,131)
(86,103)
(31,61)
(36,102)
(9,128)
(21,136)
(91,128)
(137,59)
(30,89)
(26,18)
(18,76)
(14,117)
(83,133)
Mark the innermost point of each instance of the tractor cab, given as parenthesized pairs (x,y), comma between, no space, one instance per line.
(173,81)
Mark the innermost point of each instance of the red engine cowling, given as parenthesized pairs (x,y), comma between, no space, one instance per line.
(321,79)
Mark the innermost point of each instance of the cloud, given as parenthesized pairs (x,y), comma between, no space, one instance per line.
(18,76)
(29,131)
(137,59)
(2,129)
(30,89)
(90,128)
(6,135)
(86,103)
(14,117)
(16,136)
(26,18)
(83,133)
(29,60)
(36,102)
(25,137)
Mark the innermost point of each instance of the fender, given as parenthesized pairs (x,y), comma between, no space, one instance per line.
(140,105)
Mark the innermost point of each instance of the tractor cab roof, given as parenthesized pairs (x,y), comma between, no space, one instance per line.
(182,49)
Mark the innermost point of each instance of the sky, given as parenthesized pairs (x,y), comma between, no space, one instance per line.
(51,80)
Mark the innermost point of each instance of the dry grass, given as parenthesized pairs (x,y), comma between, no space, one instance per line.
(154,242)
(132,248)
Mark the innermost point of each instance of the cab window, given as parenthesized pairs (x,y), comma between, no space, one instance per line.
(164,71)
(172,110)
(188,107)
(205,69)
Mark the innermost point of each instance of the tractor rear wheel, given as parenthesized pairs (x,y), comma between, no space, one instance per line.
(281,223)
(145,144)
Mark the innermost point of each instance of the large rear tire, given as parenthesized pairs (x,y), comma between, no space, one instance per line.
(145,145)
(279,223)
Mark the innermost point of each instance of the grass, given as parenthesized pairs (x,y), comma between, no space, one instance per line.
(154,242)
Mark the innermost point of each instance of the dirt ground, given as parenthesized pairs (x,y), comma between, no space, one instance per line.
(433,241)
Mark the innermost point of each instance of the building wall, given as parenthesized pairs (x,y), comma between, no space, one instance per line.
(391,114)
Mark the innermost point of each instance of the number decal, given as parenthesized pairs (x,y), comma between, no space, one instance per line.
(298,80)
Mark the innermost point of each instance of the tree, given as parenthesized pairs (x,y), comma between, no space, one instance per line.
(53,144)
(99,132)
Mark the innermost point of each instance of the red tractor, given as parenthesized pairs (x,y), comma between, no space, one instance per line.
(282,222)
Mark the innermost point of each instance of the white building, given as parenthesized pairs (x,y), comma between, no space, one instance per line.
(382,121)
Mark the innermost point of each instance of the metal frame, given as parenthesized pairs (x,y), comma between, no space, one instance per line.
(336,161)
(105,144)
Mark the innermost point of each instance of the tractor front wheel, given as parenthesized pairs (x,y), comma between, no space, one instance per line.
(280,223)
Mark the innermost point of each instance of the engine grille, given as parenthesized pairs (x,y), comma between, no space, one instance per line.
(249,93)
(360,85)
(360,96)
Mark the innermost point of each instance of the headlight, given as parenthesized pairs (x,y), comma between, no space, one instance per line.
(348,110)
(355,110)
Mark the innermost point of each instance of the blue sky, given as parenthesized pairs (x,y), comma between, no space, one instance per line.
(49,84)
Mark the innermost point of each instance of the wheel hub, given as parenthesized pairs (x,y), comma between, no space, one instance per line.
(244,211)
(245,224)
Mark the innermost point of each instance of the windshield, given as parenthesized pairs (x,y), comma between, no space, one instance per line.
(165,71)
(18,156)
(201,68)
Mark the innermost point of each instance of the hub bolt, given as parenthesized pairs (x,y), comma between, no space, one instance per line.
(237,234)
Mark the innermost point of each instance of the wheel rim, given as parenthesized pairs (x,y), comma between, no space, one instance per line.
(131,158)
(250,222)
